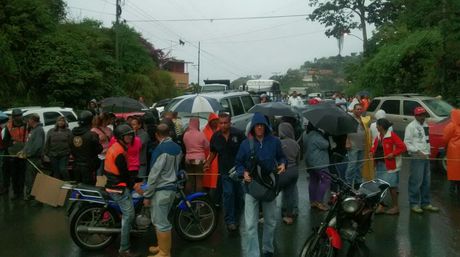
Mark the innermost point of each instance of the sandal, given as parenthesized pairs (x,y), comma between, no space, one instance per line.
(392,211)
(380,209)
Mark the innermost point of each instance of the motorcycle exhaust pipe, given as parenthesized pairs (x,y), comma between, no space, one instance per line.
(98,230)
(102,230)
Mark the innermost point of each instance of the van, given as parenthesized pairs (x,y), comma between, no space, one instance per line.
(235,103)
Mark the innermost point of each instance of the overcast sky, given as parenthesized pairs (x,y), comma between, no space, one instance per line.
(232,48)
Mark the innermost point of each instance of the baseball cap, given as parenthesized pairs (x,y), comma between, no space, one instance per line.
(419,110)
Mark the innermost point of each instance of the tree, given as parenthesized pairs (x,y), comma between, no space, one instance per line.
(342,16)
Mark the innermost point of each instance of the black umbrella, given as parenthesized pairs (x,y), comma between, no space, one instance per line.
(331,119)
(273,109)
(121,104)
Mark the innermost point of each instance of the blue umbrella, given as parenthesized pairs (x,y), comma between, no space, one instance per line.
(197,104)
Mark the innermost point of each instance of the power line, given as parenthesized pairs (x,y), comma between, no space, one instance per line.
(89,10)
(266,39)
(227,18)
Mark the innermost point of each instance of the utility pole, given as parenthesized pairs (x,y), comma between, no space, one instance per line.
(199,52)
(117,47)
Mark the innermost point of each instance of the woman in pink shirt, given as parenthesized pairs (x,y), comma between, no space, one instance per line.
(196,146)
(104,133)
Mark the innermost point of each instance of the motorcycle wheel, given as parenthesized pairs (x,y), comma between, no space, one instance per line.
(191,229)
(93,216)
(318,248)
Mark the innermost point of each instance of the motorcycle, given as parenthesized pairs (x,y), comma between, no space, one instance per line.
(95,219)
(343,229)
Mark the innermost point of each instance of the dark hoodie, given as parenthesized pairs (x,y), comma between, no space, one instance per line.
(85,146)
(268,151)
(290,147)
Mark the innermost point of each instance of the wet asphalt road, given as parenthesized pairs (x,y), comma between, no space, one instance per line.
(28,231)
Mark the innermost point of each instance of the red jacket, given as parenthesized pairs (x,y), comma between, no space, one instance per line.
(391,144)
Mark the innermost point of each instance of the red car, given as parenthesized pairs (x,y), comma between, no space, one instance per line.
(438,148)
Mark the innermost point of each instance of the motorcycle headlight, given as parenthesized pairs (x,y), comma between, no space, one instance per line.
(350,204)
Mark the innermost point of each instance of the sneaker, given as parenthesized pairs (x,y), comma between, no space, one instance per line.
(431,208)
(416,209)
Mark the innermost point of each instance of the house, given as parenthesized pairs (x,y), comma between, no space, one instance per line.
(178,71)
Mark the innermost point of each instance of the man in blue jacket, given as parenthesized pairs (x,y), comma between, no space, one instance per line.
(270,158)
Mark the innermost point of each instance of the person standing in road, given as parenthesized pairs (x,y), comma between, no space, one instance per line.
(340,101)
(137,125)
(120,181)
(225,144)
(57,148)
(269,158)
(295,100)
(85,147)
(417,140)
(317,160)
(100,127)
(14,138)
(452,140)
(33,150)
(386,151)
(196,146)
(288,180)
(356,145)
(212,174)
(161,190)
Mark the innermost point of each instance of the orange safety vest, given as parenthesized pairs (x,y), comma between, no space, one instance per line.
(109,164)
(18,134)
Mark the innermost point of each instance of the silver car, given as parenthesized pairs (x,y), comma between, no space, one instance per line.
(400,108)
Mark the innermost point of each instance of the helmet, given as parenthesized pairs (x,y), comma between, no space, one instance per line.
(85,118)
(123,130)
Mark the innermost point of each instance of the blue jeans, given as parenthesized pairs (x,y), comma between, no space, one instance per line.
(125,202)
(353,173)
(419,182)
(162,202)
(271,212)
(59,167)
(232,199)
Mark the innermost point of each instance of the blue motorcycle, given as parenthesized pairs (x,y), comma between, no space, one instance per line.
(95,219)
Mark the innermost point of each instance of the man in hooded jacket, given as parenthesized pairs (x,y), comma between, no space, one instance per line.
(270,158)
(84,147)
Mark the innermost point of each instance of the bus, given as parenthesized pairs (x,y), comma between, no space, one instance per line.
(257,87)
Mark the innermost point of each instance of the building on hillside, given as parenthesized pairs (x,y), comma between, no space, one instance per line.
(178,71)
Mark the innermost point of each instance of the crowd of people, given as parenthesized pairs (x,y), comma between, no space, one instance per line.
(225,162)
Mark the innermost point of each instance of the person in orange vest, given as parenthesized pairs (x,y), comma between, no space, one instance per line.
(14,138)
(120,182)
(210,180)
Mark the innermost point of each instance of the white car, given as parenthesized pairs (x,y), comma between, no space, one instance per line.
(48,115)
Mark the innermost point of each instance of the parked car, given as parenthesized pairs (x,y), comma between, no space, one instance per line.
(399,110)
(48,115)
(236,103)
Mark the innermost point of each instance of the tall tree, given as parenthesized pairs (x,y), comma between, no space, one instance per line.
(342,16)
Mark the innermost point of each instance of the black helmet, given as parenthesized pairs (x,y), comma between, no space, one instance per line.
(85,118)
(123,130)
